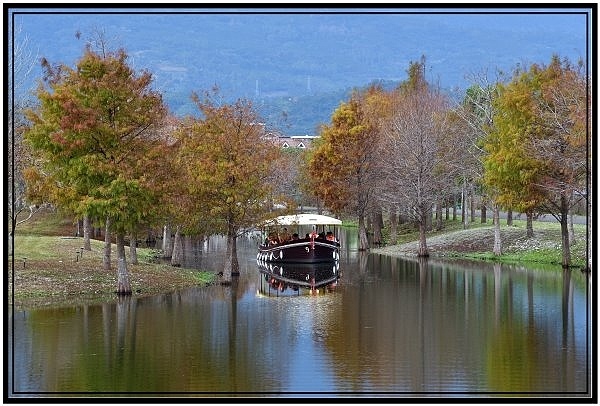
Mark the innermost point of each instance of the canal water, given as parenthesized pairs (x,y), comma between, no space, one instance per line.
(386,327)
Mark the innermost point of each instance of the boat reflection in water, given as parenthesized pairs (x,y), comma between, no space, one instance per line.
(294,279)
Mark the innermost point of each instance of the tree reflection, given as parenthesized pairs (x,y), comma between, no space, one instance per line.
(392,325)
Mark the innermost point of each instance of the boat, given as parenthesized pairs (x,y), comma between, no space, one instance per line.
(295,278)
(300,238)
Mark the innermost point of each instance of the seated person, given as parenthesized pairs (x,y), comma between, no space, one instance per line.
(284,235)
(330,236)
(272,239)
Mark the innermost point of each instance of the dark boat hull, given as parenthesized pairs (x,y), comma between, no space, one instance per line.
(306,251)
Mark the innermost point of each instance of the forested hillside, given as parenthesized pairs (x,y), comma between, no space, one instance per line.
(297,67)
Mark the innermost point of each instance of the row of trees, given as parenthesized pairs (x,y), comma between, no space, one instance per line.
(104,147)
(107,150)
(522,142)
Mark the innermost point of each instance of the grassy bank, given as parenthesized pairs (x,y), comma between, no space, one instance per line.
(476,242)
(49,272)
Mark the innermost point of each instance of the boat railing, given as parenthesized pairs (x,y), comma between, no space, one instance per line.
(303,241)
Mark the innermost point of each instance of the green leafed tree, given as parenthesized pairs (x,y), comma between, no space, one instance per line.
(511,171)
(228,164)
(94,133)
(537,156)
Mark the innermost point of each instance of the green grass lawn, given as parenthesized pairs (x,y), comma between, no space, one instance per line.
(50,270)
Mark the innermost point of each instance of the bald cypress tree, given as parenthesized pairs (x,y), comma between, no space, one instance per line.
(93,134)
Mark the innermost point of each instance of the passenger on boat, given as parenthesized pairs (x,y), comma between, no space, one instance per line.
(284,235)
(330,236)
(295,236)
(272,239)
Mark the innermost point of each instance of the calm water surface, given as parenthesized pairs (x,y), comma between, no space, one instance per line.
(388,327)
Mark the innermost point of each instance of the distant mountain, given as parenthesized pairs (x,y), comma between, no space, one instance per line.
(298,67)
(302,115)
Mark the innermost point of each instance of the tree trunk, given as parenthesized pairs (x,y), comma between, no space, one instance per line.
(509,217)
(177,255)
(133,248)
(463,211)
(231,267)
(235,266)
(454,208)
(423,251)
(123,284)
(87,232)
(107,246)
(472,206)
(393,227)
(167,247)
(429,223)
(363,239)
(438,216)
(483,212)
(572,239)
(529,216)
(564,230)
(377,226)
(497,237)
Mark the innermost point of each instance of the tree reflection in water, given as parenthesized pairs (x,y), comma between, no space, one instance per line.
(392,325)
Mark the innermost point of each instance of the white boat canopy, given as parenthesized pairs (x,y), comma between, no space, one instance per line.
(303,219)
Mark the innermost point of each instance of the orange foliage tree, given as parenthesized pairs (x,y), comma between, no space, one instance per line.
(228,164)
(342,169)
